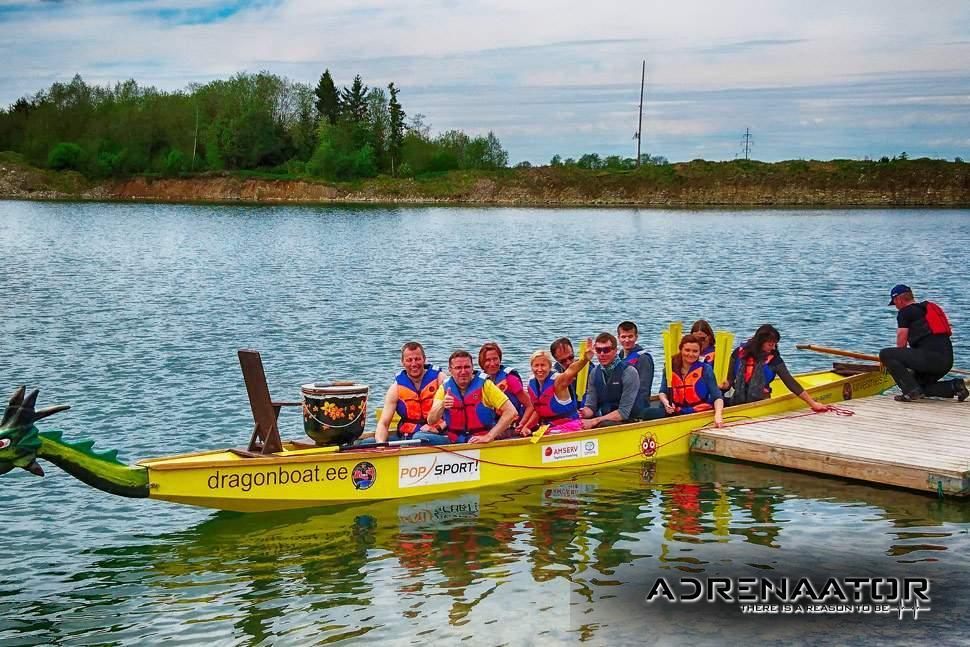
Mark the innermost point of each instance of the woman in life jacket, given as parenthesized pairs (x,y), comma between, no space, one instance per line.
(509,382)
(755,364)
(703,331)
(693,386)
(555,405)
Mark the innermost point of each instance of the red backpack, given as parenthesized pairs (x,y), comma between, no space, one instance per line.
(936,319)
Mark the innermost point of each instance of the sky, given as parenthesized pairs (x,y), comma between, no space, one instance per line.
(811,80)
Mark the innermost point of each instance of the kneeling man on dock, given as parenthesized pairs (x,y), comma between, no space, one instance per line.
(918,369)
(473,408)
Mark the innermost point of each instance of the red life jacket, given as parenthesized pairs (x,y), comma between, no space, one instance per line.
(936,320)
(683,390)
(414,405)
(472,417)
(550,410)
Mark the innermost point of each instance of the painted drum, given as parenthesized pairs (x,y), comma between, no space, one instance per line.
(334,413)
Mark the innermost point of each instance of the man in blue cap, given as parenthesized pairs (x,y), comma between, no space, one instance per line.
(918,369)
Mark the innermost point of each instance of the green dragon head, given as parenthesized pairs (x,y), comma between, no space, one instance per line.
(19,441)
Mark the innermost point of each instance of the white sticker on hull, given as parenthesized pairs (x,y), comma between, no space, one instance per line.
(571,450)
(438,468)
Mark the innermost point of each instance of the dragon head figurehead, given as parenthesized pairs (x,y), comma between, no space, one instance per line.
(19,440)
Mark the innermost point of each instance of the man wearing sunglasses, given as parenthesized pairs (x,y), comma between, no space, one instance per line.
(562,352)
(613,387)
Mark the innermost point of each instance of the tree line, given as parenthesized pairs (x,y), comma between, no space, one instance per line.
(251,121)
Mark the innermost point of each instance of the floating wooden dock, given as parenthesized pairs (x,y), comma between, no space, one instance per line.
(923,445)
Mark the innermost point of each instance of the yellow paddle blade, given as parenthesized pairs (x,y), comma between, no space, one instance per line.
(723,345)
(676,333)
(539,433)
(581,379)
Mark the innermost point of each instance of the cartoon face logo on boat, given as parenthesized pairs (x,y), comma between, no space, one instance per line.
(364,475)
(847,392)
(648,445)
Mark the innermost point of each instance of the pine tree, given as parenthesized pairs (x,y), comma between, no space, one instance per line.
(395,139)
(328,101)
(354,101)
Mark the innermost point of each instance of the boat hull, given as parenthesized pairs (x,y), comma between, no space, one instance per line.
(299,478)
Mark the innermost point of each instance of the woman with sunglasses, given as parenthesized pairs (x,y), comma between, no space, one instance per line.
(693,387)
(755,364)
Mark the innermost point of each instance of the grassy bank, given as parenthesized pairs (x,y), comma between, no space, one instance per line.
(919,182)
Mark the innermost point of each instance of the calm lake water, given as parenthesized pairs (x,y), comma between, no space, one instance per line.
(133,314)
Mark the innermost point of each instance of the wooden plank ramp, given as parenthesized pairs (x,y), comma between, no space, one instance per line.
(923,445)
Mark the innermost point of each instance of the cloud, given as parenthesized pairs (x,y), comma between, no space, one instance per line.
(549,76)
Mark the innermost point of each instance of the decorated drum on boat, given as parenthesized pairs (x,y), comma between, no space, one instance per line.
(334,412)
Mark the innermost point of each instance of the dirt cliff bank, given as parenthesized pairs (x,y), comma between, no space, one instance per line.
(909,183)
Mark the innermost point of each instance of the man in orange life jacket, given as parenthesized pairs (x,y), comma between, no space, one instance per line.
(918,369)
(473,408)
(410,395)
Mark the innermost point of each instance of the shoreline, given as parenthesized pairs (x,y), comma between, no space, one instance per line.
(698,184)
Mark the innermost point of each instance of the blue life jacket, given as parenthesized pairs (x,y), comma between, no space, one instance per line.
(608,394)
(501,381)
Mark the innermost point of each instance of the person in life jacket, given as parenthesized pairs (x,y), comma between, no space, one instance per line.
(755,364)
(554,404)
(473,408)
(509,382)
(410,396)
(692,387)
(613,388)
(562,352)
(702,329)
(633,354)
(918,369)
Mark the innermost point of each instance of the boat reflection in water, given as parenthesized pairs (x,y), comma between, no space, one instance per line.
(568,559)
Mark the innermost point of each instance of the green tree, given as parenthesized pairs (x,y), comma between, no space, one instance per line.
(66,155)
(353,101)
(556,160)
(378,125)
(327,99)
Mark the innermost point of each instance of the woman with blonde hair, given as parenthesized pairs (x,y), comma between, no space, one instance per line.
(550,394)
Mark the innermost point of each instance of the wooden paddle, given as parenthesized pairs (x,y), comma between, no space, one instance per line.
(854,355)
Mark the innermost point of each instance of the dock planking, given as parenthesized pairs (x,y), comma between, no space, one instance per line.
(923,445)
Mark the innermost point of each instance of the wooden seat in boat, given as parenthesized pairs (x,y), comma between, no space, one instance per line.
(266,434)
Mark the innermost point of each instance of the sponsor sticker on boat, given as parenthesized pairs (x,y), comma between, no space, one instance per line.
(571,450)
(438,468)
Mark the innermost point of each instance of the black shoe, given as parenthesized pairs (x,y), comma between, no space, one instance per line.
(912,396)
(960,390)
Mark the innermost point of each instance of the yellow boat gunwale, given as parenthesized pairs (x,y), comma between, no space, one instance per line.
(327,454)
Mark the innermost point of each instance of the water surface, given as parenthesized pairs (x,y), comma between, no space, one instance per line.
(133,313)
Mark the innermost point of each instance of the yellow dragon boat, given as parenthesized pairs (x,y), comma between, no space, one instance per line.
(277,475)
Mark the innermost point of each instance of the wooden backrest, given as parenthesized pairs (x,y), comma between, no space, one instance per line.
(266,431)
